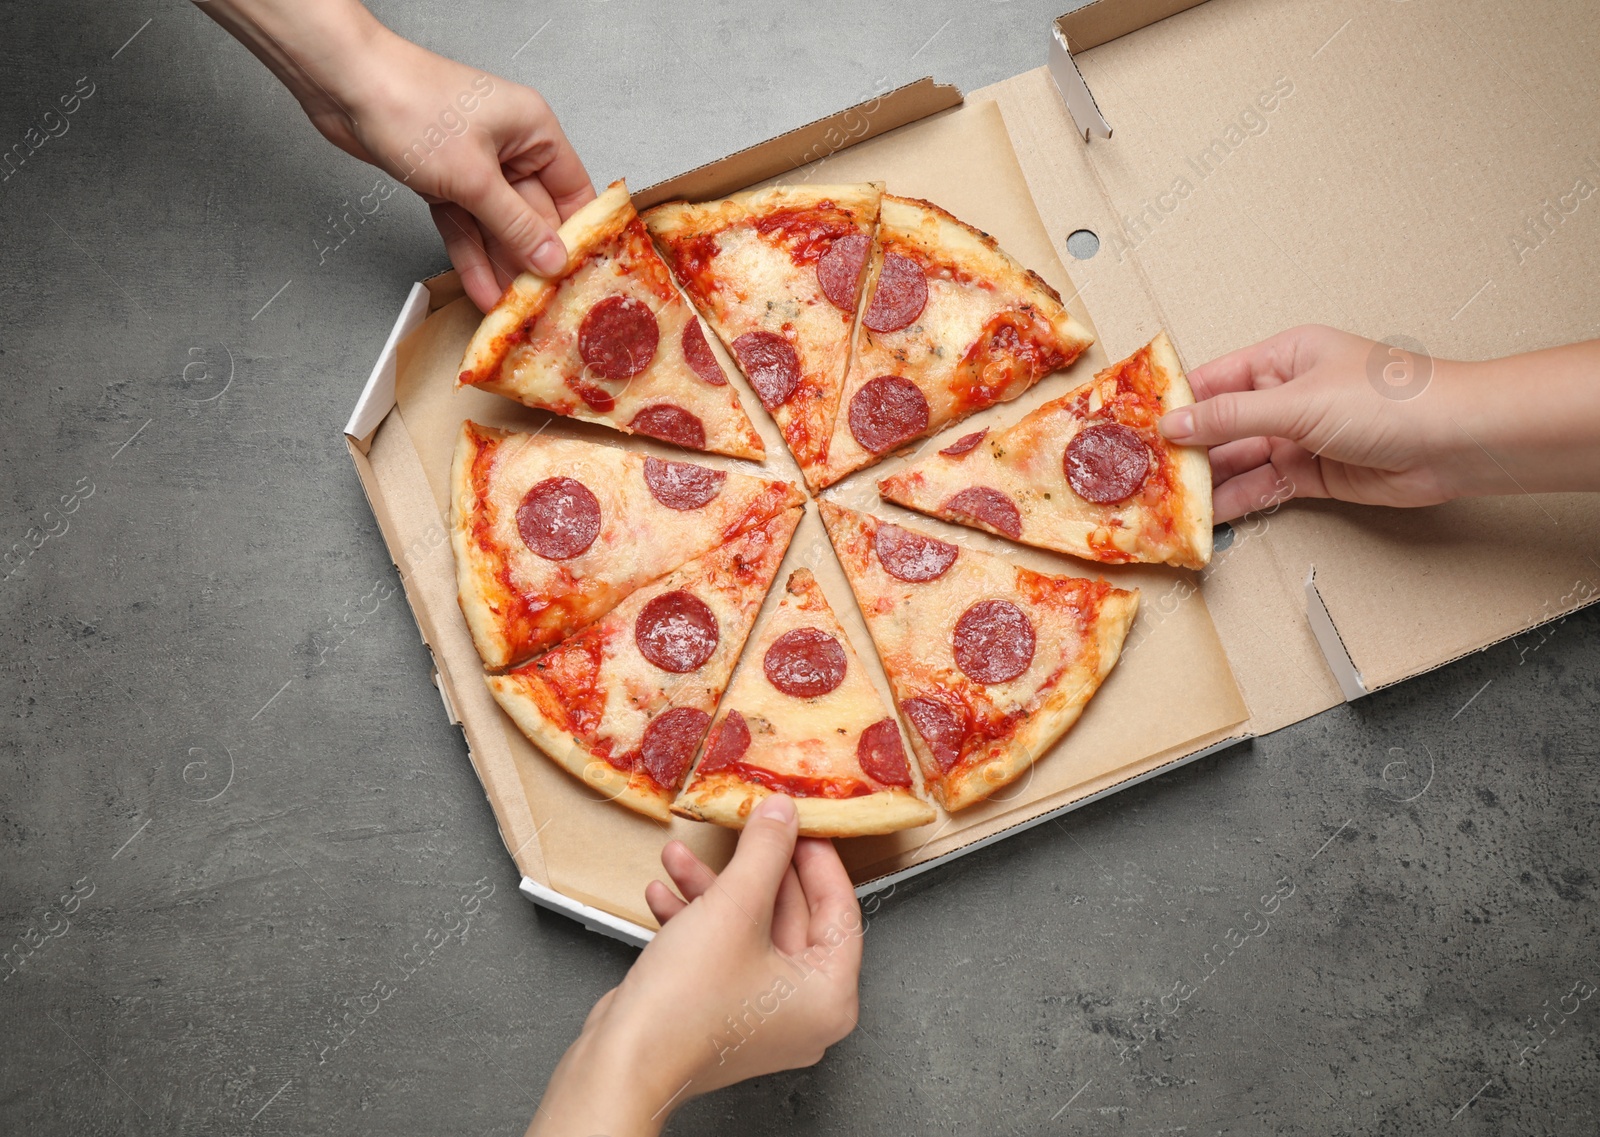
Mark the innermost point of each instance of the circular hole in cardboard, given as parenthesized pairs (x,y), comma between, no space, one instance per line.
(1083,244)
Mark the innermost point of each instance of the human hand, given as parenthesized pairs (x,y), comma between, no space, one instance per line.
(1297,415)
(754,970)
(486,154)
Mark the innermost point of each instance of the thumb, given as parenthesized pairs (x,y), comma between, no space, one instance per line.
(504,213)
(1273,413)
(766,848)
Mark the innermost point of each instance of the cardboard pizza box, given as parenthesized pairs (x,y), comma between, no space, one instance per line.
(1244,165)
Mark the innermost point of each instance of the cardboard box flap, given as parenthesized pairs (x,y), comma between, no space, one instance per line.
(1105,20)
(1246,190)
(805,145)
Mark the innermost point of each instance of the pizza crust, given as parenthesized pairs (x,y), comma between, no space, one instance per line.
(1060,711)
(1191,464)
(723,799)
(479,594)
(635,791)
(597,222)
(675,220)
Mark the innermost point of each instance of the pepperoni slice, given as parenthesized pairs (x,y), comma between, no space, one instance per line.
(671,424)
(839,270)
(558,518)
(993,641)
(771,364)
(881,754)
(1106,462)
(805,663)
(912,557)
(682,485)
(676,631)
(965,443)
(617,338)
(901,293)
(670,742)
(728,744)
(698,355)
(596,397)
(988,506)
(887,411)
(940,728)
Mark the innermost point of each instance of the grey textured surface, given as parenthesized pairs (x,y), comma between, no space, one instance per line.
(220,734)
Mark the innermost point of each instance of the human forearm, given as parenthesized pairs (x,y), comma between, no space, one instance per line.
(1527,422)
(316,48)
(598,1088)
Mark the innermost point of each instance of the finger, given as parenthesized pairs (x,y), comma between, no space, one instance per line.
(791,916)
(463,241)
(1234,458)
(830,895)
(766,846)
(687,871)
(663,905)
(1279,412)
(564,176)
(533,192)
(1262,488)
(506,217)
(1263,364)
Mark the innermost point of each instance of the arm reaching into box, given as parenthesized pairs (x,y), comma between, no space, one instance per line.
(486,154)
(754,970)
(1316,412)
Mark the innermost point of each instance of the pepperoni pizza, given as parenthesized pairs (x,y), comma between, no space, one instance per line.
(989,661)
(610,341)
(1087,474)
(625,703)
(953,325)
(777,273)
(550,534)
(802,718)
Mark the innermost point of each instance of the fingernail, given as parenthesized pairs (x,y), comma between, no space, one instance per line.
(550,257)
(1178,425)
(777,807)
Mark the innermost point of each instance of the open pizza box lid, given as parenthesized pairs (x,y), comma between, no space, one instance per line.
(1395,170)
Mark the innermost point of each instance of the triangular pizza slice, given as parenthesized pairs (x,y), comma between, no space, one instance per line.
(990,662)
(1087,474)
(952,325)
(802,718)
(610,341)
(624,704)
(777,272)
(550,533)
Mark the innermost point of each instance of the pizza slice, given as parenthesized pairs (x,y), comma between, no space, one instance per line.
(610,341)
(777,273)
(952,325)
(990,662)
(1087,474)
(802,718)
(624,704)
(550,533)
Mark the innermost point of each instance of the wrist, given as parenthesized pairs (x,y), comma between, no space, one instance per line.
(604,1084)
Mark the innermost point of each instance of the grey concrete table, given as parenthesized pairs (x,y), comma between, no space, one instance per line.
(227,821)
